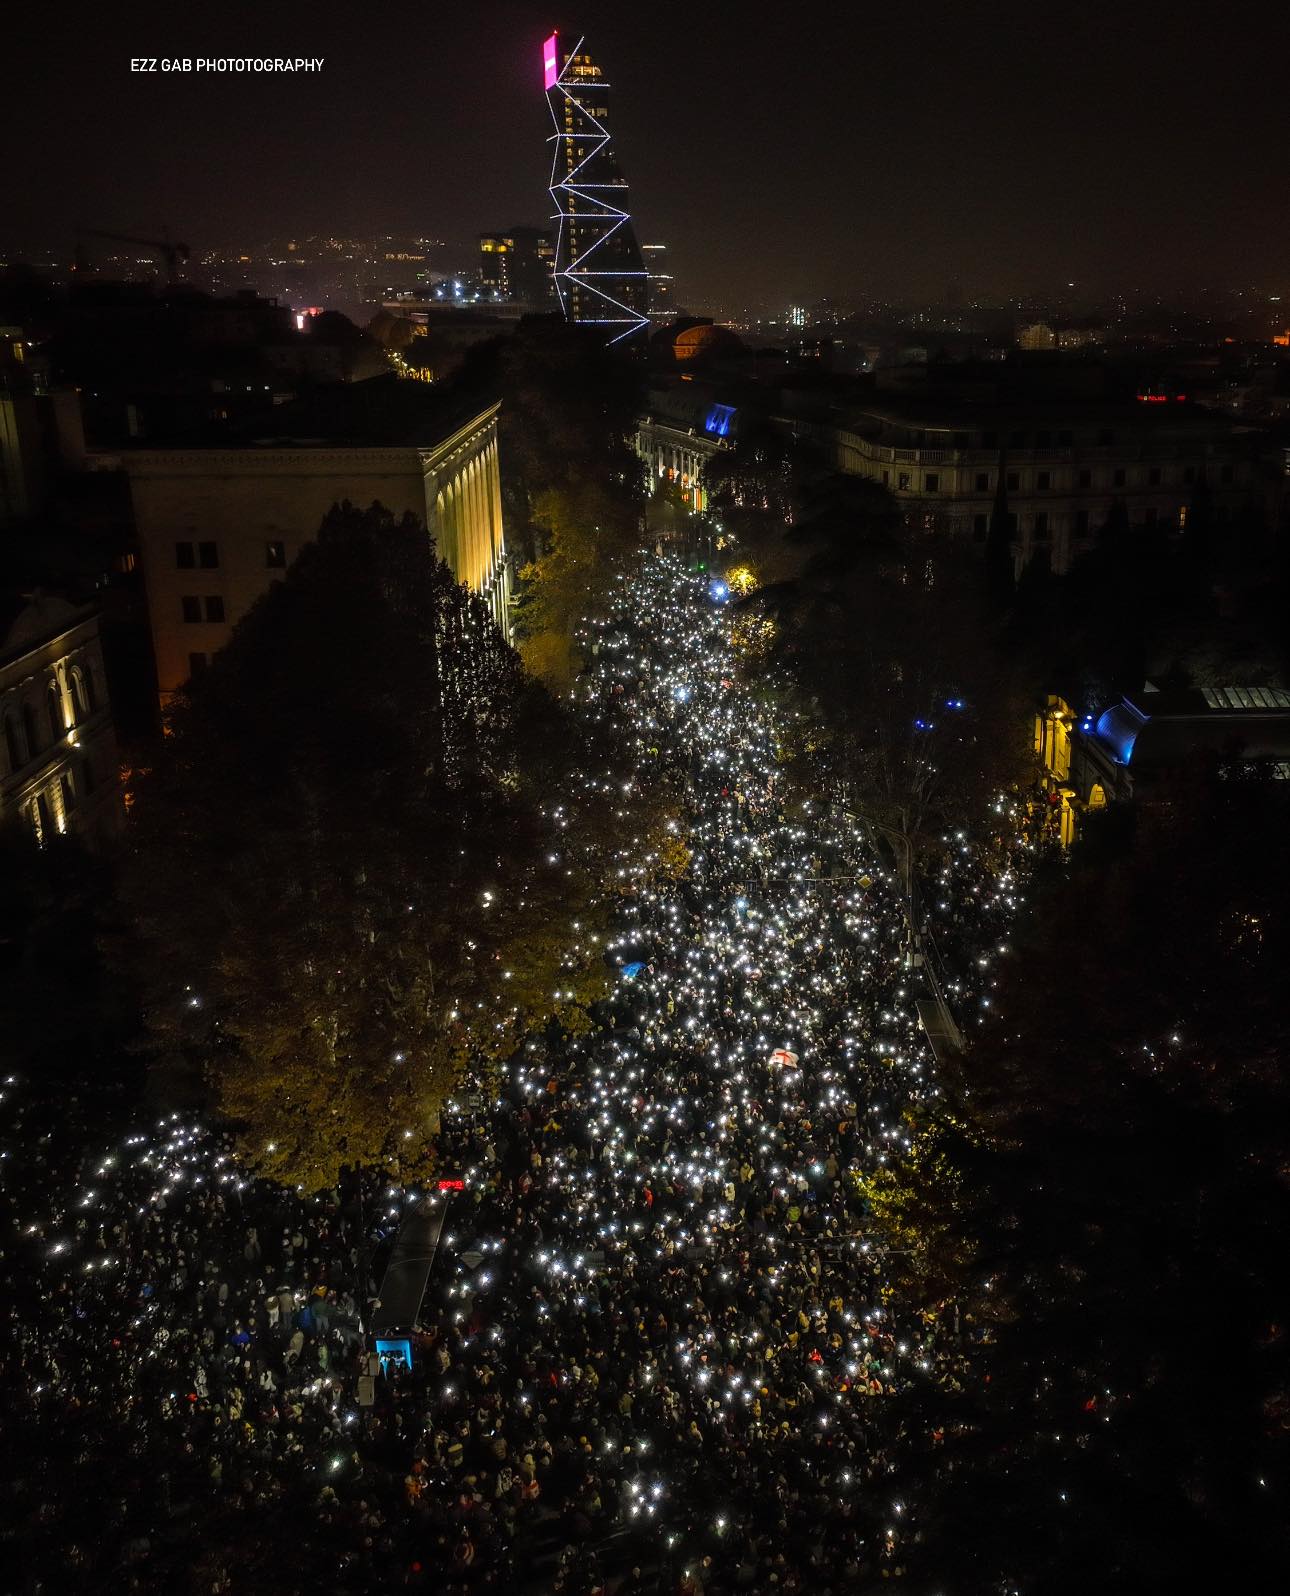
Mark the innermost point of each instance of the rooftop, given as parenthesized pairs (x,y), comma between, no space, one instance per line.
(946,410)
(1163,724)
(42,616)
(384,412)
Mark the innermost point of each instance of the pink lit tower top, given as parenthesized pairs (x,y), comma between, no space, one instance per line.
(600,276)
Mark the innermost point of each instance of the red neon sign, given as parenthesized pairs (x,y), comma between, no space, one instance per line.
(452,1185)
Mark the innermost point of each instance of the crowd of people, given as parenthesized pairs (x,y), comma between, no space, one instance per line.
(971,898)
(660,1348)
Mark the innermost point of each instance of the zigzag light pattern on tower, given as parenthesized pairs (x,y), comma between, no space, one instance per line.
(600,276)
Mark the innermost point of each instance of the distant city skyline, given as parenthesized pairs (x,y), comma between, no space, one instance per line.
(885,154)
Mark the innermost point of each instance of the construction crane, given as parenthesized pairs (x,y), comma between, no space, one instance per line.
(172,254)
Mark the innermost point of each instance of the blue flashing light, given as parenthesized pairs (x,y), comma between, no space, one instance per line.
(718,591)
(954,703)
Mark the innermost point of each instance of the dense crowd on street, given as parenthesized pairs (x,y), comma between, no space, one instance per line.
(660,1349)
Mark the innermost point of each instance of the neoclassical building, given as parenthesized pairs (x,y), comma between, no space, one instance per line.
(58,761)
(1064,463)
(1141,747)
(217,526)
(682,430)
(675,456)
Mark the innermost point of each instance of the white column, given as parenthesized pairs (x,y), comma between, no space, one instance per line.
(476,575)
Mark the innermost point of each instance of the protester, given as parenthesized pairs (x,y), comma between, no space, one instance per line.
(661,1347)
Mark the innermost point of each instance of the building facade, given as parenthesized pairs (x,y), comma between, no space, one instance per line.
(600,276)
(41,434)
(682,430)
(217,526)
(1062,468)
(1136,749)
(674,455)
(58,758)
(518,266)
(662,297)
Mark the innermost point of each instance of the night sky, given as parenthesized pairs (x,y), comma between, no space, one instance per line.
(891,149)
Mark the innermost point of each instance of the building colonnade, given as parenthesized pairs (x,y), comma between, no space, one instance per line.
(464,513)
(676,457)
(57,747)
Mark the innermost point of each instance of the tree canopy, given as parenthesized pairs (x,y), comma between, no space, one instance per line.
(347,867)
(1111,1211)
(911,700)
(571,483)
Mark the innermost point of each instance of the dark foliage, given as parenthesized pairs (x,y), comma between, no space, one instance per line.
(335,850)
(1126,1204)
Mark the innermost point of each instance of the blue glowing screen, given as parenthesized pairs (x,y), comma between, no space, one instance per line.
(399,1348)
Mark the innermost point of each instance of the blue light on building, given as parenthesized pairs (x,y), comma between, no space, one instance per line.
(719,419)
(1118,728)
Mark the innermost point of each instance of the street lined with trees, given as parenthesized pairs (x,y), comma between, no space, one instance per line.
(743,1288)
(347,871)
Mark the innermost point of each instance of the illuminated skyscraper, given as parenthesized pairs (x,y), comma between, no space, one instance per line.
(662,306)
(517,264)
(600,277)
